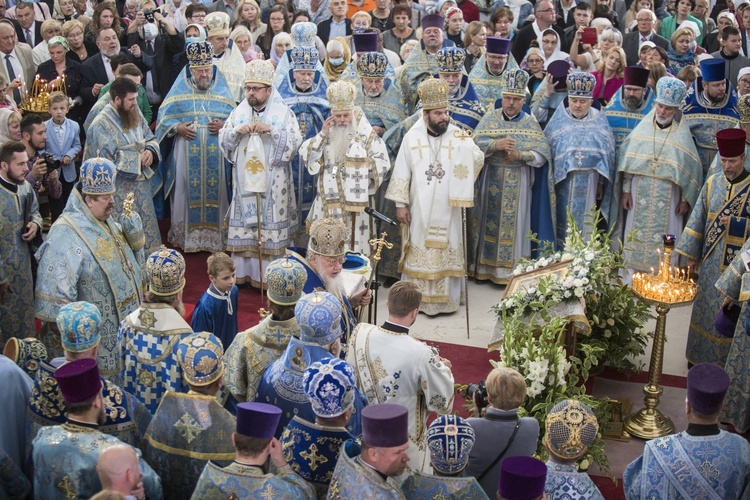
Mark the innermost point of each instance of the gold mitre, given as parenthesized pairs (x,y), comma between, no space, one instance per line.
(341,96)
(259,71)
(328,237)
(743,105)
(217,24)
(433,92)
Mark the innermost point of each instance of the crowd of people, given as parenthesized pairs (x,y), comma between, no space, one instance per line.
(271,131)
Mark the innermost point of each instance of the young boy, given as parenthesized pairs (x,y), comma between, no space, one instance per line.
(216,311)
(64,143)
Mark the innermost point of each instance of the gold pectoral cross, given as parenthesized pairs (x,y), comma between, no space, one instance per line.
(378,244)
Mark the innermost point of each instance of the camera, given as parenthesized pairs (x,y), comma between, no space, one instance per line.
(479,392)
(149,15)
(52,164)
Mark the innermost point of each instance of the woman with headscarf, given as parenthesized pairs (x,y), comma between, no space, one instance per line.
(174,11)
(533,64)
(244,41)
(280,44)
(10,125)
(337,59)
(193,33)
(60,66)
(681,51)
(65,10)
(551,48)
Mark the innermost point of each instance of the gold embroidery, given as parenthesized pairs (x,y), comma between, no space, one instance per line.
(105,249)
(67,488)
(378,371)
(313,458)
(146,378)
(268,492)
(188,428)
(461,171)
(147,319)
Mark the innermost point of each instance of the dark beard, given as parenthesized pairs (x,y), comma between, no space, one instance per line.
(632,102)
(438,128)
(130,119)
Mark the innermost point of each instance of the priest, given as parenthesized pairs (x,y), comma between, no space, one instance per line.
(630,104)
(485,75)
(432,180)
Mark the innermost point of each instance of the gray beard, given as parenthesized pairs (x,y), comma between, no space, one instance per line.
(334,286)
(340,140)
(663,121)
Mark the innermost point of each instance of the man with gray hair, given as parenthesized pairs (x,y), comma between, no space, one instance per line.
(631,42)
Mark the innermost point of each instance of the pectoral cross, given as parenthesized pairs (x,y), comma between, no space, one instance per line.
(378,244)
(419,147)
(435,171)
(654,165)
(579,156)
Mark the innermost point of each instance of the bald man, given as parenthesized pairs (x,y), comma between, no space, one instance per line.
(118,471)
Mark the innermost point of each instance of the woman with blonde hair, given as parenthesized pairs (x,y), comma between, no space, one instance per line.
(280,44)
(404,52)
(244,41)
(475,43)
(337,58)
(248,14)
(10,125)
(681,51)
(609,37)
(656,71)
(609,74)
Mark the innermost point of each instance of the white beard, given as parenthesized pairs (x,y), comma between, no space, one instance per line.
(334,286)
(340,140)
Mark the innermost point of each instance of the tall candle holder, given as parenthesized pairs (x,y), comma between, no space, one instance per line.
(667,288)
(36,99)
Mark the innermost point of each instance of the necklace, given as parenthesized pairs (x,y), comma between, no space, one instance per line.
(655,162)
(436,167)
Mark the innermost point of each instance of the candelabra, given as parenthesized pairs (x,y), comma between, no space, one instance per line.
(36,99)
(668,288)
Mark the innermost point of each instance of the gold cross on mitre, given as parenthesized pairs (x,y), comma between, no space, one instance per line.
(462,134)
(378,244)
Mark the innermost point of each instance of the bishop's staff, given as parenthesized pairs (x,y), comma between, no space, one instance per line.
(377,244)
(463,134)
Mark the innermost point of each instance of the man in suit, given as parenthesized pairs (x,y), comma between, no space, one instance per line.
(227,6)
(337,25)
(28,29)
(631,42)
(545,19)
(18,59)
(97,70)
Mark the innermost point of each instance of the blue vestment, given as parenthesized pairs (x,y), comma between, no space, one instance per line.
(249,481)
(217,313)
(583,153)
(13,483)
(564,481)
(65,458)
(17,209)
(207,175)
(489,87)
(125,417)
(89,260)
(419,65)
(623,120)
(186,432)
(14,394)
(681,466)
(705,119)
(420,485)
(312,451)
(706,240)
(353,479)
(385,110)
(311,109)
(283,385)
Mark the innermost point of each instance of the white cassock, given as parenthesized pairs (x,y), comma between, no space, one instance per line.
(343,191)
(434,177)
(232,66)
(261,169)
(393,367)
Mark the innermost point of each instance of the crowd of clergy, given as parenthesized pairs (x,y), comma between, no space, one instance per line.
(279,136)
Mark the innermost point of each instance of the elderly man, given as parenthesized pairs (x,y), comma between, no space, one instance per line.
(378,97)
(450,439)
(313,447)
(65,456)
(323,261)
(246,477)
(512,193)
(486,73)
(304,91)
(50,28)
(432,180)
(120,134)
(125,417)
(630,104)
(303,35)
(260,138)
(583,156)
(631,43)
(228,57)
(422,62)
(86,247)
(714,234)
(21,222)
(253,350)
(350,161)
(370,470)
(318,315)
(368,41)
(670,466)
(192,114)
(19,64)
(710,106)
(658,187)
(149,336)
(202,425)
(118,470)
(393,367)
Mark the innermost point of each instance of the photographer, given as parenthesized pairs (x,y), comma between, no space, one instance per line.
(159,42)
(499,432)
(44,178)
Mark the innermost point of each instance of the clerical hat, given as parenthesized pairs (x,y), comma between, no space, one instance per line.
(712,70)
(707,385)
(286,279)
(78,323)
(27,354)
(78,380)
(365,42)
(498,45)
(571,428)
(731,142)
(635,76)
(432,21)
(319,318)
(522,478)
(330,386)
(257,420)
(385,425)
(559,71)
(743,106)
(450,439)
(200,357)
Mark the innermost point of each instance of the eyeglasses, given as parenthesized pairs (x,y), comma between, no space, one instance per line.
(334,261)
(646,20)
(547,10)
(198,16)
(252,90)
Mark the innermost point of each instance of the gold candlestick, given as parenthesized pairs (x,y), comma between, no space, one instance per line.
(665,289)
